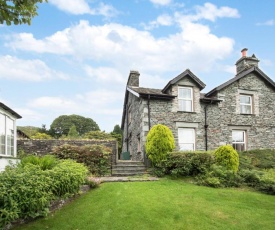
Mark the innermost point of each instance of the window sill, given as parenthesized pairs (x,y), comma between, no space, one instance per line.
(247,114)
(179,111)
(7,157)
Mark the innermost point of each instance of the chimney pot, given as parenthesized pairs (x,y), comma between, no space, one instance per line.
(244,52)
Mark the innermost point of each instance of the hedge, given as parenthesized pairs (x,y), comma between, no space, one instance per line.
(26,190)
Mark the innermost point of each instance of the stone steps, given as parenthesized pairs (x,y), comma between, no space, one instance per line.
(128,168)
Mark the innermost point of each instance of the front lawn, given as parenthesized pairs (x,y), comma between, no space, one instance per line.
(165,204)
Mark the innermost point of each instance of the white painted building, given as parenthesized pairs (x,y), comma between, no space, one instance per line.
(8,137)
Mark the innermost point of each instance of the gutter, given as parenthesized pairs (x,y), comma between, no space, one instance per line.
(206,125)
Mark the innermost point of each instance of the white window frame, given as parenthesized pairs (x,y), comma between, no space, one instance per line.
(245,104)
(185,99)
(243,142)
(9,146)
(182,142)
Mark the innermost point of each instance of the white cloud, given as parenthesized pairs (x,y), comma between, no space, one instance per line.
(162,20)
(211,12)
(126,47)
(29,114)
(82,7)
(266,23)
(161,2)
(27,70)
(105,74)
(59,103)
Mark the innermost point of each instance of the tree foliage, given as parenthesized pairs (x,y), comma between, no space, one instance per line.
(73,134)
(18,11)
(117,130)
(98,135)
(41,136)
(159,142)
(228,157)
(61,125)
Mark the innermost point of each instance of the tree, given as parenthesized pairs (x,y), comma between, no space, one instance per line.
(117,129)
(228,157)
(73,134)
(61,125)
(159,142)
(18,11)
(117,133)
(29,130)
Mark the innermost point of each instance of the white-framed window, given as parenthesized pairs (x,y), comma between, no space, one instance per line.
(245,104)
(7,135)
(2,134)
(186,139)
(239,140)
(185,99)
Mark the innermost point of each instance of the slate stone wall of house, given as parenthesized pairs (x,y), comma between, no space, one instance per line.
(222,117)
(43,147)
(225,117)
(133,129)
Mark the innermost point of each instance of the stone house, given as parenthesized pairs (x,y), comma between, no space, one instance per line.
(8,137)
(240,112)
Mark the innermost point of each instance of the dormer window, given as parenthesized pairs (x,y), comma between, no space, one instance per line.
(185,99)
(246,104)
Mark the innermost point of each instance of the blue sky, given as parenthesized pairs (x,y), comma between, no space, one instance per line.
(76,56)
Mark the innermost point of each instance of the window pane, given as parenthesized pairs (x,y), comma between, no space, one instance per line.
(185,105)
(245,99)
(239,147)
(238,136)
(186,138)
(238,140)
(185,93)
(246,109)
(186,147)
(10,136)
(2,134)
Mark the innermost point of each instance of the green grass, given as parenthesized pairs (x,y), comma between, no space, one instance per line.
(165,204)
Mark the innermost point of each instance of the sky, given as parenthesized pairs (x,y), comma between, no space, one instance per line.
(76,56)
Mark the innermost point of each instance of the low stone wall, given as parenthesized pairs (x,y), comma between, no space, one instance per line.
(43,147)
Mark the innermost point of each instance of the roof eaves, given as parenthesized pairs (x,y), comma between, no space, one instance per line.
(10,110)
(183,74)
(157,96)
(239,76)
(131,90)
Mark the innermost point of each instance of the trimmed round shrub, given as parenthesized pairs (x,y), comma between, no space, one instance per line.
(228,157)
(159,142)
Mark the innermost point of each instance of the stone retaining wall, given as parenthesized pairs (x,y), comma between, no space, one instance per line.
(43,147)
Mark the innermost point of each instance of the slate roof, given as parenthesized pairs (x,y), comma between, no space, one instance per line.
(187,72)
(208,99)
(144,92)
(6,108)
(241,75)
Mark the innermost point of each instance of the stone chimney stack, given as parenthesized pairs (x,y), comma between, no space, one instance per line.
(133,79)
(245,62)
